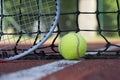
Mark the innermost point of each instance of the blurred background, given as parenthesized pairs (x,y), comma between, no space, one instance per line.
(77,15)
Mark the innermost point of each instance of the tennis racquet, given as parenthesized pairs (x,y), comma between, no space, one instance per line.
(25,25)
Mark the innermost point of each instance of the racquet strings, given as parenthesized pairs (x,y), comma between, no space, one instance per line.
(24,24)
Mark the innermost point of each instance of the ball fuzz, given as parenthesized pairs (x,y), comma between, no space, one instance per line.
(72,46)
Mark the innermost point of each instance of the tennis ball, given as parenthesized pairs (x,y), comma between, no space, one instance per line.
(72,46)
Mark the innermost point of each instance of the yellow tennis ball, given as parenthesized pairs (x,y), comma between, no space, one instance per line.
(72,46)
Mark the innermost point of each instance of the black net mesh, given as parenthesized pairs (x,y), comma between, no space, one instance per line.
(79,16)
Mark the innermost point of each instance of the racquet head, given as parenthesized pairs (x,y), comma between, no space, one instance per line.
(26,25)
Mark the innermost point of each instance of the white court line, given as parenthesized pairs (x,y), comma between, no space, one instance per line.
(38,72)
(109,49)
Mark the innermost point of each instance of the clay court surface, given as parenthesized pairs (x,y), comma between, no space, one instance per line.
(89,69)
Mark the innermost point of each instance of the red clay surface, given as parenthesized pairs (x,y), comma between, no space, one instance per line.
(17,65)
(98,69)
(91,69)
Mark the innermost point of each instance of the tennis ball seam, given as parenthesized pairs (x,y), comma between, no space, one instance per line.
(78,45)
